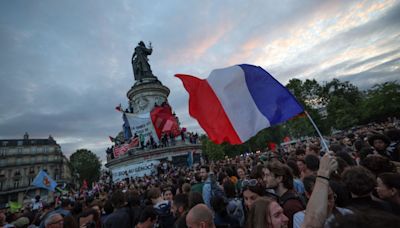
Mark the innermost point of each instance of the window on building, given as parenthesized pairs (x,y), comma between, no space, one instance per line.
(17,173)
(46,149)
(30,180)
(3,152)
(16,184)
(1,185)
(19,150)
(56,174)
(20,143)
(5,143)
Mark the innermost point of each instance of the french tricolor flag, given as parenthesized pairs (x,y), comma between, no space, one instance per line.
(235,103)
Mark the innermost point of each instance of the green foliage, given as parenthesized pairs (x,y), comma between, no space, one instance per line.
(213,151)
(381,101)
(87,164)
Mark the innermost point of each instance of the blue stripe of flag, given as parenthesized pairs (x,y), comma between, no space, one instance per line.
(272,99)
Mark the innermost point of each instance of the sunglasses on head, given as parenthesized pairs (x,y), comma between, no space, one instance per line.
(249,182)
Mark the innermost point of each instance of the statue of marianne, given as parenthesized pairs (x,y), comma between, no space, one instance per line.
(140,62)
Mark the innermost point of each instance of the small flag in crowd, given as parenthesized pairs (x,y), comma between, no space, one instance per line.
(235,103)
(119,108)
(42,180)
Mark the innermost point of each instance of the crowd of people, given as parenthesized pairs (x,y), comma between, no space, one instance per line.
(356,183)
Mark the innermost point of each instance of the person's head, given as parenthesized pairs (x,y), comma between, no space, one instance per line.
(378,164)
(251,190)
(358,180)
(301,164)
(96,205)
(147,218)
(118,199)
(265,212)
(393,134)
(311,164)
(200,216)
(300,153)
(154,194)
(197,177)
(204,170)
(379,142)
(88,218)
(309,182)
(277,175)
(313,149)
(241,172)
(168,195)
(67,204)
(54,220)
(186,188)
(365,152)
(388,187)
(294,168)
(180,204)
(229,189)
(194,199)
(108,207)
(346,157)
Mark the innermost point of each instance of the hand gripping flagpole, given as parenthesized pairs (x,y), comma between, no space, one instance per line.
(319,133)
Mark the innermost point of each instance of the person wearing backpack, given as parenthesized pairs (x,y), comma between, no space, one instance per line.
(234,206)
(278,177)
(211,189)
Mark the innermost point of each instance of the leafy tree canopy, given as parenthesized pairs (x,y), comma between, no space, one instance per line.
(86,164)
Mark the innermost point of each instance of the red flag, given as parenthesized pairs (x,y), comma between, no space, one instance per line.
(119,108)
(164,121)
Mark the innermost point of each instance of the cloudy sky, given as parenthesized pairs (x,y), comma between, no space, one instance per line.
(65,65)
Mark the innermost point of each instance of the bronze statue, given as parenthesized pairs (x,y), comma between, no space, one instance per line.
(140,64)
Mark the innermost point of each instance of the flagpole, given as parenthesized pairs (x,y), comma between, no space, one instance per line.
(319,133)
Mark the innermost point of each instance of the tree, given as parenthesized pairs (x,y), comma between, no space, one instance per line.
(343,103)
(381,101)
(211,150)
(87,164)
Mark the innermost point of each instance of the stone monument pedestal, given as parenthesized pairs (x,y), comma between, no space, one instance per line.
(143,96)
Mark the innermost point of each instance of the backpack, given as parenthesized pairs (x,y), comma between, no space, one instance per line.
(292,196)
(216,191)
(235,210)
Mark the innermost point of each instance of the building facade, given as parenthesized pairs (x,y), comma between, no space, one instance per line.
(20,162)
